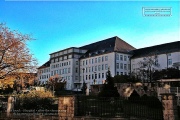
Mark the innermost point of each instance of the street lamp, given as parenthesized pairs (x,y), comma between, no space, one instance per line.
(84,84)
(95,76)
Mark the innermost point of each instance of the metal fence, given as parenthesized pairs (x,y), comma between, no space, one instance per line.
(117,108)
(98,107)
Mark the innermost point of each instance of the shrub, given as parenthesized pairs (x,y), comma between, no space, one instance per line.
(134,97)
(154,102)
(151,101)
(108,89)
(35,100)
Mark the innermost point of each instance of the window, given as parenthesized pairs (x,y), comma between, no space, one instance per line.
(76,70)
(125,66)
(169,61)
(99,59)
(99,67)
(83,62)
(83,70)
(99,75)
(102,67)
(89,61)
(86,69)
(95,76)
(117,73)
(92,68)
(106,66)
(86,62)
(121,65)
(76,62)
(125,58)
(92,76)
(76,77)
(95,60)
(95,68)
(121,57)
(89,77)
(86,77)
(117,65)
(117,57)
(121,73)
(102,75)
(89,69)
(65,70)
(102,58)
(106,58)
(92,61)
(62,71)
(59,72)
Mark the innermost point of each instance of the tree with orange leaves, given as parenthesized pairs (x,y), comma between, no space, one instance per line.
(56,83)
(15,57)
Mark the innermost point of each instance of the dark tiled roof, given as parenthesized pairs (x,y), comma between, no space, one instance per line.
(158,49)
(106,46)
(47,64)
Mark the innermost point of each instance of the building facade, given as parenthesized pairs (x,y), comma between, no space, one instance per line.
(90,63)
(43,74)
(161,56)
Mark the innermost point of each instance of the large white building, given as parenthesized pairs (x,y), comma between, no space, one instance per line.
(90,63)
(164,56)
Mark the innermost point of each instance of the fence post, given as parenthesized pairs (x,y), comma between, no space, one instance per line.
(169,102)
(66,107)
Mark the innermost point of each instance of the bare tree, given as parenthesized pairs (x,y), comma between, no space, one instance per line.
(15,57)
(147,67)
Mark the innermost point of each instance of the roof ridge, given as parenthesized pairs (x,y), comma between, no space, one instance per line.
(158,45)
(99,41)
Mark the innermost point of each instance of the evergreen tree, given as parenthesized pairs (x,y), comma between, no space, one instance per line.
(84,87)
(108,88)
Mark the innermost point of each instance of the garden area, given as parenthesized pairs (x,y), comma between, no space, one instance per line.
(31,105)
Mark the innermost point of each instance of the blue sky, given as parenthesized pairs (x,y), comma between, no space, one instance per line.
(57,25)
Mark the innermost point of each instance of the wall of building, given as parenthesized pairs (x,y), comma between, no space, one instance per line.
(75,67)
(43,75)
(122,64)
(164,61)
(65,63)
(95,67)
